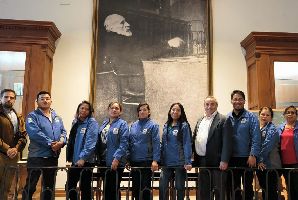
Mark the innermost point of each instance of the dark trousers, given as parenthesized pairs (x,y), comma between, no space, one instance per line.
(111,180)
(268,180)
(236,175)
(34,170)
(8,170)
(291,178)
(82,175)
(141,180)
(212,181)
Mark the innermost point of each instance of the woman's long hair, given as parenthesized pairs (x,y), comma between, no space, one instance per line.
(182,117)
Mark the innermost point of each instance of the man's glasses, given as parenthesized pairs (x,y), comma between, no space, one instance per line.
(290,113)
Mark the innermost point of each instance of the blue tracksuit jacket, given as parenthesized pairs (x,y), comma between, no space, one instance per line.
(117,140)
(85,140)
(246,135)
(144,141)
(42,132)
(175,152)
(270,139)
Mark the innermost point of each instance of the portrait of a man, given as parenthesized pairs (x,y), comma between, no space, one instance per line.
(151,50)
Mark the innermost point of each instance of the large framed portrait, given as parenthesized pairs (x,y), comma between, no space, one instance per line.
(154,51)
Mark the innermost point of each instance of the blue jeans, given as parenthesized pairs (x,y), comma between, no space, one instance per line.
(180,177)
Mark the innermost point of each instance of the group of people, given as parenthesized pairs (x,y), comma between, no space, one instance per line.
(219,143)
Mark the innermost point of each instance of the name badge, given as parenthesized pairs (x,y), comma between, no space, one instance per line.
(30,120)
(243,121)
(115,131)
(263,133)
(145,131)
(83,131)
(175,132)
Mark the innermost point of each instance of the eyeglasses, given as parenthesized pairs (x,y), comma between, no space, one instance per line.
(238,100)
(290,113)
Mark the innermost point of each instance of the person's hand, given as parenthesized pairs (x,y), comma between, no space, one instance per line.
(56,146)
(251,161)
(261,166)
(12,152)
(187,167)
(154,166)
(115,164)
(223,165)
(80,163)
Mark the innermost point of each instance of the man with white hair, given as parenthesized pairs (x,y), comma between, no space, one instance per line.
(121,52)
(117,23)
(212,149)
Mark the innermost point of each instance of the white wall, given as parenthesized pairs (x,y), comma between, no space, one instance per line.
(233,20)
(71,72)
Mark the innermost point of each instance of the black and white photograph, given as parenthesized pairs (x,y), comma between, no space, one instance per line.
(153,51)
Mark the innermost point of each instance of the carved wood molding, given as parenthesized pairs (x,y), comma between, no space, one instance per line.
(26,32)
(261,50)
(271,43)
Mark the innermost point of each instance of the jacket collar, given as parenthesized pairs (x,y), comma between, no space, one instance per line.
(53,113)
(2,111)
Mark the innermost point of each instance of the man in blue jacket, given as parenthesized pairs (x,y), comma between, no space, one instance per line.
(246,144)
(47,136)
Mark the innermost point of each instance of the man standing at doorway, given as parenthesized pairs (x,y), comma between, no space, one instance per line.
(47,136)
(12,139)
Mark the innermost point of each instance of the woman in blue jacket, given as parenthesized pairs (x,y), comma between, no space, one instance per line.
(175,151)
(144,151)
(269,157)
(80,151)
(112,147)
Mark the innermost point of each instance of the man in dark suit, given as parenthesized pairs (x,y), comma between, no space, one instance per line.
(212,150)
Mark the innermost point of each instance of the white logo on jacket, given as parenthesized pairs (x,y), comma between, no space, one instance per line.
(145,131)
(243,121)
(115,130)
(83,130)
(175,132)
